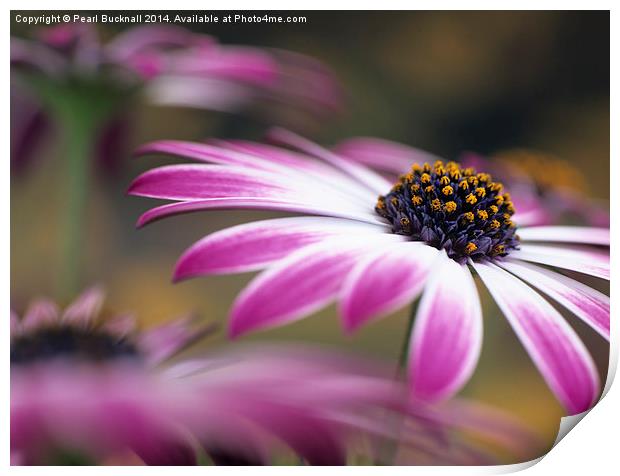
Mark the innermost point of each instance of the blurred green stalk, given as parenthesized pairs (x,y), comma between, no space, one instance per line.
(80,107)
(80,130)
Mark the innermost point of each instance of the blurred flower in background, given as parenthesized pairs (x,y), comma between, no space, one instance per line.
(68,80)
(92,390)
(425,235)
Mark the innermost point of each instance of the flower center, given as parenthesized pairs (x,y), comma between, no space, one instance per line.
(67,341)
(456,209)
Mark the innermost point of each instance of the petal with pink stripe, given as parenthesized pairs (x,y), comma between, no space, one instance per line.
(200,181)
(567,234)
(252,246)
(555,348)
(243,203)
(586,303)
(298,285)
(447,332)
(384,281)
(581,259)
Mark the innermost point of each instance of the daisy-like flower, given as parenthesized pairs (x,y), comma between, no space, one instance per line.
(86,387)
(170,66)
(374,246)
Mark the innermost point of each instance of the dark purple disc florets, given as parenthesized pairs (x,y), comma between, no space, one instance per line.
(456,209)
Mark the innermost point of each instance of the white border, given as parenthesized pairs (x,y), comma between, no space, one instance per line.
(592,448)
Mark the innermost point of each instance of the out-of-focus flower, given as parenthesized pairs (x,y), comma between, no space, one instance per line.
(554,183)
(102,390)
(171,66)
(374,247)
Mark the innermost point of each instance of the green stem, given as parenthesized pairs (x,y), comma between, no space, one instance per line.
(80,130)
(404,349)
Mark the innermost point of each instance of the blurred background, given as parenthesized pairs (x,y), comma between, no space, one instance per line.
(442,81)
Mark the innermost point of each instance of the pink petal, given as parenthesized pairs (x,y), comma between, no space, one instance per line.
(84,310)
(447,332)
(384,281)
(243,203)
(254,245)
(136,39)
(166,340)
(40,313)
(555,348)
(293,166)
(567,234)
(580,259)
(365,175)
(296,286)
(383,155)
(121,325)
(198,181)
(586,303)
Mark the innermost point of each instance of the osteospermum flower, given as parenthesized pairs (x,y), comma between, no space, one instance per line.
(374,246)
(170,65)
(86,388)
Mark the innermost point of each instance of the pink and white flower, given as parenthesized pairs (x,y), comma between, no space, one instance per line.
(98,388)
(427,236)
(169,66)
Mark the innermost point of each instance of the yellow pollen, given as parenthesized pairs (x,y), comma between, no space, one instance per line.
(481,192)
(510,207)
(495,224)
(493,209)
(463,184)
(416,199)
(404,221)
(452,165)
(484,177)
(415,187)
(439,171)
(483,215)
(409,177)
(468,171)
(416,168)
(444,180)
(470,248)
(498,250)
(394,201)
(426,167)
(447,190)
(469,216)
(380,203)
(425,178)
(397,187)
(472,181)
(449,206)
(496,186)
(429,189)
(471,199)
(507,196)
(499,200)
(436,204)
